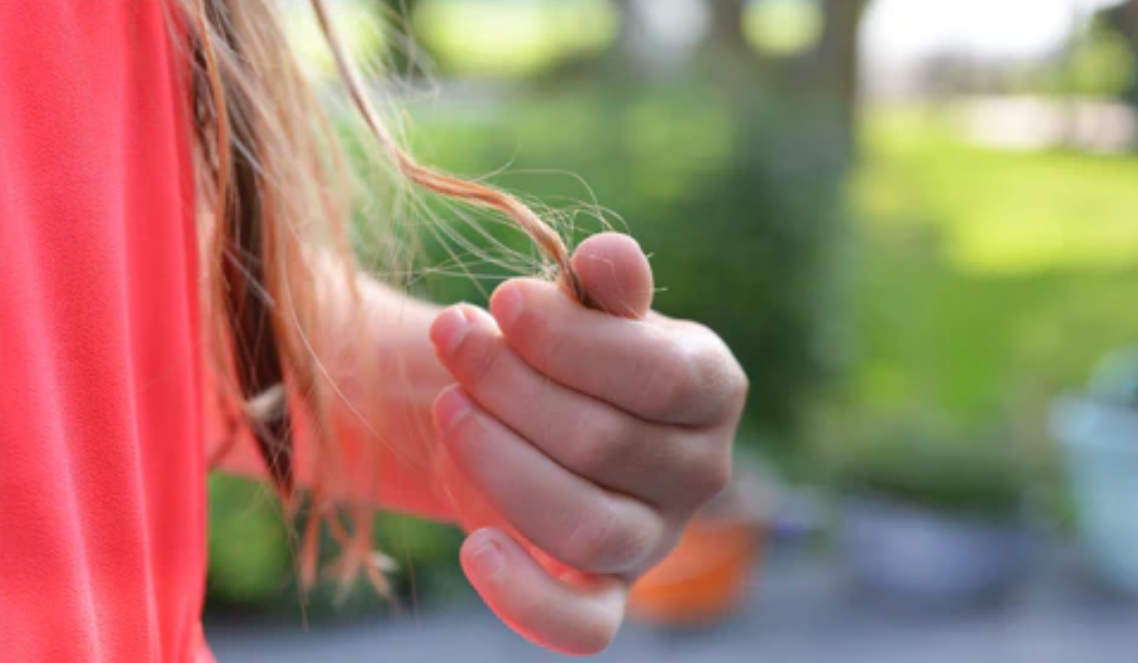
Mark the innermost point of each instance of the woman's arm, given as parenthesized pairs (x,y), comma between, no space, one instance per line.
(387,378)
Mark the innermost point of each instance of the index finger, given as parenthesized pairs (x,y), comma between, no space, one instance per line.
(661,373)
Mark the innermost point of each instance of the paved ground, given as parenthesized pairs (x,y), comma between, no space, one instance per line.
(802,613)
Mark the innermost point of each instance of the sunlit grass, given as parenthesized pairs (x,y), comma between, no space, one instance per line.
(991,280)
(512,37)
(783,27)
(1001,212)
(469,38)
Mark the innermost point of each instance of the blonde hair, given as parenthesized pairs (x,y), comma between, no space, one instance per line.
(273,192)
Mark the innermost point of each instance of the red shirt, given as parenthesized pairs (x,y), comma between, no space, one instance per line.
(102,476)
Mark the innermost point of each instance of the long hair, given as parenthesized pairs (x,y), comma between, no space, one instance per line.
(275,198)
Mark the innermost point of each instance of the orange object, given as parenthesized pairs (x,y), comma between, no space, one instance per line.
(705,578)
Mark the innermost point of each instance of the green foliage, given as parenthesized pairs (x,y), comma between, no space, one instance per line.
(926,461)
(989,280)
(1101,65)
(249,558)
(252,566)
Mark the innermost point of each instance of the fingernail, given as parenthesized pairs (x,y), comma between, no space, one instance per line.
(449,330)
(451,408)
(487,558)
(506,305)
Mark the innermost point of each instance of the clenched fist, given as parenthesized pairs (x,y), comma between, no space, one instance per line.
(584,439)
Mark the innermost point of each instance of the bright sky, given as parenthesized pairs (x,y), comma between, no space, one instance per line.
(899,30)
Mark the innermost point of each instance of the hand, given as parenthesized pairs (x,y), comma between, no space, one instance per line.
(590,439)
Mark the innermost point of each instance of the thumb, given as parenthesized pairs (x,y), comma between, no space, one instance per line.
(571,614)
(615,273)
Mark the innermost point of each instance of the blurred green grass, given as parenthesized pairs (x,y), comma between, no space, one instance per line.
(990,280)
(1000,212)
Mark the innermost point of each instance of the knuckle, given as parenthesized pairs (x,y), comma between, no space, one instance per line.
(707,472)
(602,443)
(588,537)
(741,384)
(715,374)
(672,380)
(727,376)
(602,542)
(481,361)
(465,441)
(715,475)
(533,333)
(723,381)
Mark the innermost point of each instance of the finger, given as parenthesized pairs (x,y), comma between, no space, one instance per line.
(615,272)
(576,618)
(663,465)
(668,374)
(468,508)
(574,520)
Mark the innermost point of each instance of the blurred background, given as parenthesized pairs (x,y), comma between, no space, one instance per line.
(916,224)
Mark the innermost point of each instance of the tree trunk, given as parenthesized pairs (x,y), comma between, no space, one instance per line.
(1124,19)
(836,62)
(632,42)
(727,28)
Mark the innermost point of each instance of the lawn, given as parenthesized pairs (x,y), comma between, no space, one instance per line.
(990,280)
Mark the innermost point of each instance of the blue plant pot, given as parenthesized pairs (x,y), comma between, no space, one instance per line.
(920,557)
(1100,441)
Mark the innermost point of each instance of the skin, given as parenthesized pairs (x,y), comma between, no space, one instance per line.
(573,445)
